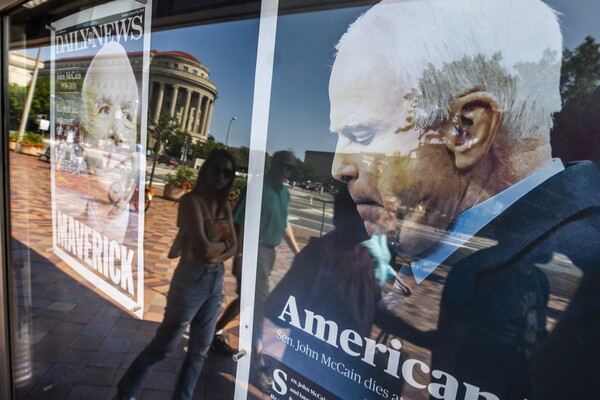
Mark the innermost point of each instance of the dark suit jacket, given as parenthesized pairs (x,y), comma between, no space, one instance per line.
(494,305)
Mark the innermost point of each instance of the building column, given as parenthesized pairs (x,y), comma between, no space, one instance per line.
(159,100)
(210,106)
(196,126)
(173,101)
(186,108)
(203,108)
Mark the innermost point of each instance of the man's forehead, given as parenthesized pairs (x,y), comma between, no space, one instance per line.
(120,99)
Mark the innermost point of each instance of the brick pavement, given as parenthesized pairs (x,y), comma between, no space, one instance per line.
(72,341)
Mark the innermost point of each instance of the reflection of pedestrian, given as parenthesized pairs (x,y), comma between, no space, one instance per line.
(206,238)
(448,146)
(273,226)
(333,275)
(337,277)
(78,153)
(59,152)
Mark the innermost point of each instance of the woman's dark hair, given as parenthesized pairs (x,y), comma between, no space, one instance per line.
(211,160)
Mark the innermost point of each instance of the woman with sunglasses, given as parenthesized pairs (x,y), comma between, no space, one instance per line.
(206,238)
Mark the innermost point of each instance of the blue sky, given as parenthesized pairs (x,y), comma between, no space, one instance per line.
(229,52)
(299,115)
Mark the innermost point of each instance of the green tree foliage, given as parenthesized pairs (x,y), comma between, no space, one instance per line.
(16,102)
(241,156)
(572,136)
(580,73)
(40,103)
(164,128)
(305,172)
(203,149)
(176,142)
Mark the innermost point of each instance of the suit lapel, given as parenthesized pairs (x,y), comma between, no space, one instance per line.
(557,200)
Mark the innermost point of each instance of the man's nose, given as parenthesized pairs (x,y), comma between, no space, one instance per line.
(344,168)
(115,131)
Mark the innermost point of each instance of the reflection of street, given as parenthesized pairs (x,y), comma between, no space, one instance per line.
(93,320)
(77,338)
(311,210)
(160,172)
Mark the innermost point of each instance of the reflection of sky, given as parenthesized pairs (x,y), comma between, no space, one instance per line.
(228,50)
(299,116)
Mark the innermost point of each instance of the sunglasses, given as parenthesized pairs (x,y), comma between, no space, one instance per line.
(226,172)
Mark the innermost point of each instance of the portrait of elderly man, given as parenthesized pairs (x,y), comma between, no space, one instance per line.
(443,110)
(110,102)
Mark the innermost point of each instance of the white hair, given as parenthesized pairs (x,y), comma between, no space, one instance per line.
(446,48)
(110,69)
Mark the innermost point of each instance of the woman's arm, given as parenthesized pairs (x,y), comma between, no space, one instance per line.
(192,222)
(232,249)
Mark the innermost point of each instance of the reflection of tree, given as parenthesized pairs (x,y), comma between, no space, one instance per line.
(40,103)
(203,149)
(580,76)
(305,172)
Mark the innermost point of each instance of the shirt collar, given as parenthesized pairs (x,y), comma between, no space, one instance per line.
(468,223)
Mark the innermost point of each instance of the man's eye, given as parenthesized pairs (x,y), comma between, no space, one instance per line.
(360,134)
(128,116)
(104,110)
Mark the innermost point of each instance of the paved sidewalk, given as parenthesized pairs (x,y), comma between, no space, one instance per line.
(73,342)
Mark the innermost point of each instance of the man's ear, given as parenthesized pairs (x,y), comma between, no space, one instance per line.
(475,118)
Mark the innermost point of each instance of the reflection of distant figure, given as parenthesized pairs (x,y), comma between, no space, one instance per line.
(109,132)
(78,153)
(70,133)
(334,276)
(206,238)
(59,152)
(443,110)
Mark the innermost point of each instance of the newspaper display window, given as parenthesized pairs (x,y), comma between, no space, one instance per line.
(443,147)
(418,192)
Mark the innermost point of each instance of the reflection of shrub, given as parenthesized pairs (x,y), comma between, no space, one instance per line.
(31,139)
(13,136)
(183,178)
(29,143)
(239,185)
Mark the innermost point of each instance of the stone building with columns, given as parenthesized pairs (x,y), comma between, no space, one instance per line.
(20,68)
(179,86)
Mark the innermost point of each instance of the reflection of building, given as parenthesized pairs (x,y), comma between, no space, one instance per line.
(20,68)
(179,87)
(321,161)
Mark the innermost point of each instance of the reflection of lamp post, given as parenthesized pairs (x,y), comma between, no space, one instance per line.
(229,127)
(186,145)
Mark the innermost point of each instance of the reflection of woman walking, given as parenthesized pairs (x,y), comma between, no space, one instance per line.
(206,238)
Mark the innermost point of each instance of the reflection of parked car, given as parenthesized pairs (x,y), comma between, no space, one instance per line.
(164,159)
(311,186)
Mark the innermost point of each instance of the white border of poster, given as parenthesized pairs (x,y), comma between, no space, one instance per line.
(258,142)
(99,89)
(467,288)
